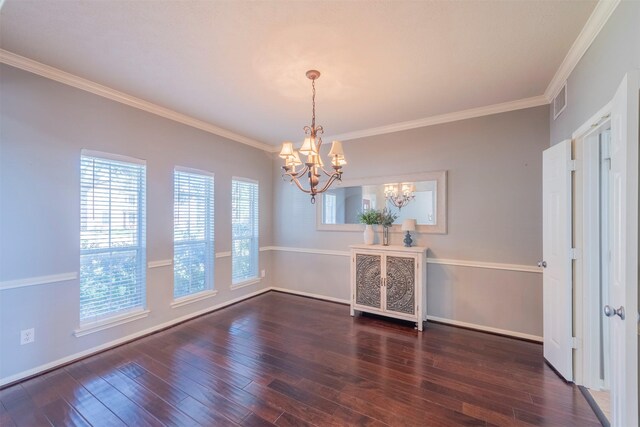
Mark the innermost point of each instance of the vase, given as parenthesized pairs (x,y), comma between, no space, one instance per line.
(369,235)
(385,236)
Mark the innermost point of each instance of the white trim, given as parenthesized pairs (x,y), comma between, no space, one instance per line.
(243,179)
(594,121)
(483,264)
(263,248)
(91,328)
(179,302)
(110,344)
(591,29)
(310,251)
(159,263)
(442,261)
(312,295)
(112,156)
(244,283)
(486,328)
(55,74)
(223,254)
(39,280)
(504,107)
(193,171)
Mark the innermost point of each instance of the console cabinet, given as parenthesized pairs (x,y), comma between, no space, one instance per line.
(389,281)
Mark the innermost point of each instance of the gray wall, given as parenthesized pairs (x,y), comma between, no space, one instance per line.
(44,125)
(494,166)
(593,82)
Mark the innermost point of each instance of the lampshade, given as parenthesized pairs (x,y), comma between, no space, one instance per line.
(407,188)
(409,225)
(336,149)
(338,161)
(287,150)
(308,147)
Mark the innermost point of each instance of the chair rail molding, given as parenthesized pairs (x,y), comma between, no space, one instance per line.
(38,280)
(442,261)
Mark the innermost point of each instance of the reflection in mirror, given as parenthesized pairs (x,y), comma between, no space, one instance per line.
(408,199)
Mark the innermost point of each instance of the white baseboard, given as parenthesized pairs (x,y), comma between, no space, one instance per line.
(311,295)
(485,328)
(114,343)
(452,322)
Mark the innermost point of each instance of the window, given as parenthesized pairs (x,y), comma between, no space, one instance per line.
(193,249)
(330,201)
(112,240)
(244,234)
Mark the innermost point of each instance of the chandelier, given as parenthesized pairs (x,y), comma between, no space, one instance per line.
(313,168)
(399,194)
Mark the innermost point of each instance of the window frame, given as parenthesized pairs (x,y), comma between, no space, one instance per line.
(255,246)
(209,241)
(96,323)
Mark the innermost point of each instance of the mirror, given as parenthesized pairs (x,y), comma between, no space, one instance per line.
(418,196)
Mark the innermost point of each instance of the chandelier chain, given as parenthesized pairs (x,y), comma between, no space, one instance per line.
(313,103)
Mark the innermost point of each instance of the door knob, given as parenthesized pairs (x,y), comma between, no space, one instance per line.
(610,312)
(542,264)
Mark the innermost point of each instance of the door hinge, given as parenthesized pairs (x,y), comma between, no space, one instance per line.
(573,165)
(574,253)
(574,342)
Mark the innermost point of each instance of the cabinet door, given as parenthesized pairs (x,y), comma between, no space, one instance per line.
(368,274)
(401,284)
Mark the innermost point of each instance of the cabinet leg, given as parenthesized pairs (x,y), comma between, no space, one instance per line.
(353,312)
(419,325)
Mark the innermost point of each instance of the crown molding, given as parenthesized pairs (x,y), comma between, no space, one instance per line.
(445,118)
(590,31)
(60,76)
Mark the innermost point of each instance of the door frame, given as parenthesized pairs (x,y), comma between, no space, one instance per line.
(586,285)
(587,243)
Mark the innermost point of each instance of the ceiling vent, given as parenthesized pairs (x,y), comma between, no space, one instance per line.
(560,101)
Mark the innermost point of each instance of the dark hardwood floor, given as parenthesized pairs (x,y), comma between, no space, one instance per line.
(293,361)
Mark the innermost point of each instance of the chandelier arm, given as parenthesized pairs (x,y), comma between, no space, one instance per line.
(328,173)
(329,182)
(297,183)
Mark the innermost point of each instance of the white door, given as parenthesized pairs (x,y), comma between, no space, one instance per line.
(623,301)
(556,247)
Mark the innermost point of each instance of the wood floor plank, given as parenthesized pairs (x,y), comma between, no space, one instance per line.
(125,409)
(284,360)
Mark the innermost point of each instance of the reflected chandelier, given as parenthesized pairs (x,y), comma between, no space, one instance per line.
(399,194)
(313,168)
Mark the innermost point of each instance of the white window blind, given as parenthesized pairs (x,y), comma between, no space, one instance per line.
(112,239)
(244,236)
(193,246)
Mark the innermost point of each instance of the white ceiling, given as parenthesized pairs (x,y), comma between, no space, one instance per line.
(241,65)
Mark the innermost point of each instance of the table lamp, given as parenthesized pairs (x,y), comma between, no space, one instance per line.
(408,225)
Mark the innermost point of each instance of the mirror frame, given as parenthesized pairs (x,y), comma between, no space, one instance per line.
(441,202)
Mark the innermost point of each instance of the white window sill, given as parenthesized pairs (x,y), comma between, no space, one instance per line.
(90,328)
(193,298)
(244,283)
